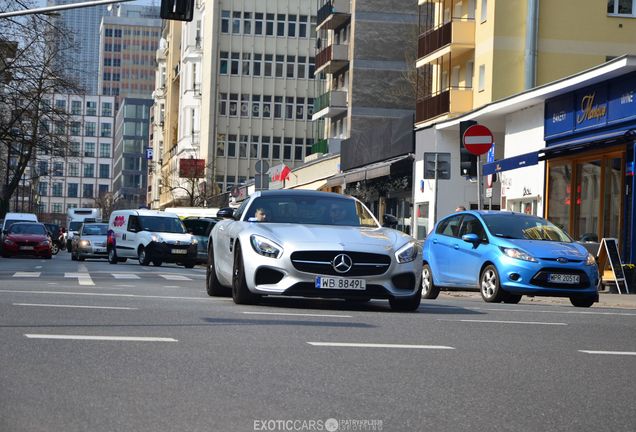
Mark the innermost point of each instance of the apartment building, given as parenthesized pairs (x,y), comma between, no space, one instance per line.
(257,86)
(157,122)
(130,179)
(129,38)
(76,176)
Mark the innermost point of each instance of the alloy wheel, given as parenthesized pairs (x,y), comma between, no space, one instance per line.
(489,283)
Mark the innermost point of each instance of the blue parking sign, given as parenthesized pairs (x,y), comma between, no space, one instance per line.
(149,153)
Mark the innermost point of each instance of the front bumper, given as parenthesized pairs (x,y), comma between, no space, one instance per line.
(279,276)
(18,250)
(93,251)
(172,253)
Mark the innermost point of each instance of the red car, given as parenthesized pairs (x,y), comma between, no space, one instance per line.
(26,239)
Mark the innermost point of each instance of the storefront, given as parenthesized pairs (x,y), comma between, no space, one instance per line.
(590,135)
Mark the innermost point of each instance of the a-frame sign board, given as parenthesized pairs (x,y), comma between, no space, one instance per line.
(610,265)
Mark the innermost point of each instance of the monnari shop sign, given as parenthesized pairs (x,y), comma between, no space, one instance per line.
(590,108)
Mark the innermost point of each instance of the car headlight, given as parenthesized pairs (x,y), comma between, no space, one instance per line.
(195,241)
(590,259)
(84,243)
(518,254)
(8,242)
(156,238)
(265,246)
(44,243)
(407,253)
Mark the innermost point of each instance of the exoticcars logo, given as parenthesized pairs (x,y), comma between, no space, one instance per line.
(119,221)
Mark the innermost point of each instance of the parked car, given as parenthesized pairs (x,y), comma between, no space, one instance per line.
(26,238)
(506,255)
(200,228)
(57,237)
(90,242)
(11,218)
(311,244)
(150,236)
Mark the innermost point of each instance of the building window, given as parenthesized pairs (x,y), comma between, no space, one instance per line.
(267,106)
(243,146)
(280,25)
(58,169)
(223,63)
(484,10)
(225,21)
(76,107)
(482,78)
(103,190)
(91,108)
(300,108)
(108,32)
(276,149)
(90,129)
(236,23)
(43,168)
(220,145)
(56,207)
(291,63)
(89,149)
(268,65)
(291,25)
(106,130)
(301,66)
(73,169)
(256,106)
(74,149)
(258,23)
(233,104)
(60,128)
(280,64)
(265,147)
(72,190)
(302,26)
(104,171)
(269,24)
(76,128)
(231,146)
(620,7)
(234,69)
(278,107)
(256,71)
(107,109)
(298,149)
(247,23)
(254,148)
(56,189)
(104,150)
(106,76)
(245,105)
(89,170)
(246,64)
(43,188)
(87,190)
(289,108)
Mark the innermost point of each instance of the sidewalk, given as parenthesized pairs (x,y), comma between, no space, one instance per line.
(606,300)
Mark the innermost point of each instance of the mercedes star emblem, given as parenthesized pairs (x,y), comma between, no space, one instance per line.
(342,263)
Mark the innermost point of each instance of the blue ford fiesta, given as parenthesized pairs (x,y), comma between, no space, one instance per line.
(506,255)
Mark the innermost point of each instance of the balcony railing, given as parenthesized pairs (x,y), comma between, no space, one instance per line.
(335,101)
(333,14)
(452,101)
(458,31)
(320,146)
(332,58)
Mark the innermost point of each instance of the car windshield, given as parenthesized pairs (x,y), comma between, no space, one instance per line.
(10,222)
(75,225)
(95,229)
(199,227)
(524,227)
(27,228)
(306,209)
(161,224)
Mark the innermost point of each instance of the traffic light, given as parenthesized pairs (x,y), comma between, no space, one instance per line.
(177,10)
(467,160)
(443,166)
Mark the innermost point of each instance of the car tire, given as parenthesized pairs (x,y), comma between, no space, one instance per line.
(240,293)
(212,285)
(69,246)
(122,260)
(73,256)
(143,257)
(581,302)
(489,285)
(189,265)
(55,249)
(157,263)
(112,256)
(429,290)
(408,304)
(510,298)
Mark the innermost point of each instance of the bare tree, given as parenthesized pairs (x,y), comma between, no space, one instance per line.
(29,124)
(188,187)
(107,203)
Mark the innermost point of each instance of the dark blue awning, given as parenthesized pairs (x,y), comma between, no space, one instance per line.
(511,163)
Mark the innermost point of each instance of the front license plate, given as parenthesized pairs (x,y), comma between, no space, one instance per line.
(99,250)
(340,283)
(26,247)
(564,278)
(179,251)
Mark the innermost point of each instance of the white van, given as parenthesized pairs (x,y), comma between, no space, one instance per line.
(184,212)
(150,236)
(11,218)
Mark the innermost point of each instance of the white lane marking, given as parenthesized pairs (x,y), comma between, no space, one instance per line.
(504,322)
(82,278)
(125,286)
(171,286)
(101,338)
(125,276)
(370,345)
(26,274)
(554,312)
(52,283)
(82,268)
(175,277)
(74,306)
(116,295)
(628,353)
(298,314)
(38,267)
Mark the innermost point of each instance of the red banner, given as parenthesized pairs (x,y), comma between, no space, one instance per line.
(191,168)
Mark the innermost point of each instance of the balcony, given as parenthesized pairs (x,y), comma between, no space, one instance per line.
(328,145)
(333,14)
(448,103)
(332,59)
(456,37)
(330,104)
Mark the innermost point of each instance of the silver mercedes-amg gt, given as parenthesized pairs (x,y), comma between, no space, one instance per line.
(311,244)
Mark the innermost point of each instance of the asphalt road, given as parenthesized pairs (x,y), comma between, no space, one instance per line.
(96,347)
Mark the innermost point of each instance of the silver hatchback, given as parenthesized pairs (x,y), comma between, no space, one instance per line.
(90,242)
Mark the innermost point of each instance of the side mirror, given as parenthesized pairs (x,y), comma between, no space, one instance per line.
(226,213)
(471,238)
(390,221)
(75,233)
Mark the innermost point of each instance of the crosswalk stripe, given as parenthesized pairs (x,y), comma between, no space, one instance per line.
(125,276)
(175,277)
(26,274)
(82,278)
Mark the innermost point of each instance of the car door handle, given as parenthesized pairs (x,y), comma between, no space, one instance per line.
(434,241)
(456,246)
(221,228)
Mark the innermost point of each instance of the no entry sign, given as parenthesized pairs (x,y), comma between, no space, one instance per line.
(478,139)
